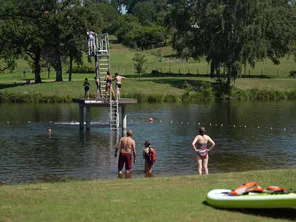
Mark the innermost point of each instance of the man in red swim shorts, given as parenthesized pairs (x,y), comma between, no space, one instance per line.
(126,147)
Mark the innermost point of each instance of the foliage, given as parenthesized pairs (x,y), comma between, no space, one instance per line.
(293,73)
(144,37)
(49,30)
(232,34)
(145,11)
(108,16)
(139,63)
(124,25)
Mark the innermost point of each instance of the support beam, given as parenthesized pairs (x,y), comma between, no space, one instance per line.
(87,118)
(124,117)
(81,116)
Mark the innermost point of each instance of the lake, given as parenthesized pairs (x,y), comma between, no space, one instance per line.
(248,136)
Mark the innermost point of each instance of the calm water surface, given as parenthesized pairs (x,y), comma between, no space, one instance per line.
(248,136)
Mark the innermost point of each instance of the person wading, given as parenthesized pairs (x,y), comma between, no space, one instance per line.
(126,147)
(202,150)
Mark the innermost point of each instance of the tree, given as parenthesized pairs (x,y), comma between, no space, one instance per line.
(123,25)
(232,33)
(139,64)
(75,23)
(107,15)
(145,37)
(145,11)
(23,23)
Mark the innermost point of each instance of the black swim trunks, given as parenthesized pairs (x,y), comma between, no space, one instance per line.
(118,85)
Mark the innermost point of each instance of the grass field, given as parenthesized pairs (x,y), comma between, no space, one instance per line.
(144,199)
(163,59)
(171,82)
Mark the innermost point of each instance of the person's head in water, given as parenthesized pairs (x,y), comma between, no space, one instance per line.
(49,131)
(202,131)
(147,143)
(129,133)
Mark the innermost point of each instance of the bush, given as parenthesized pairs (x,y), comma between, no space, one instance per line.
(83,69)
(293,73)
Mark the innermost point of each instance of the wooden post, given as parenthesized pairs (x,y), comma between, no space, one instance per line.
(98,76)
(87,118)
(124,117)
(124,132)
(81,116)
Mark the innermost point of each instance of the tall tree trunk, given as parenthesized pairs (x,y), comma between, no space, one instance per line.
(229,74)
(70,68)
(58,64)
(48,70)
(37,67)
(212,70)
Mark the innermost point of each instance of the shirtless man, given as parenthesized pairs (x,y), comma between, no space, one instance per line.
(118,79)
(202,150)
(126,147)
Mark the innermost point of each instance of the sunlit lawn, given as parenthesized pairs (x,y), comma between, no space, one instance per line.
(143,199)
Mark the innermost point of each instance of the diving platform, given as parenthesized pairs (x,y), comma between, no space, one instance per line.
(85,106)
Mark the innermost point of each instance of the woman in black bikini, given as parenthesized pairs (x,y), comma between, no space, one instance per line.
(108,80)
(202,150)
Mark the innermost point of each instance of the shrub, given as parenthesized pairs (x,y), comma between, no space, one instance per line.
(293,73)
(83,69)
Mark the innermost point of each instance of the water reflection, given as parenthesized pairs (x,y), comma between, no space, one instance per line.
(249,135)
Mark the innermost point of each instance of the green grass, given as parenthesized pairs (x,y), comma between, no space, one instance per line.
(121,61)
(145,199)
(172,83)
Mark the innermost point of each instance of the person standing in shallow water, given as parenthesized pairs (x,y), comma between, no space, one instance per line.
(149,155)
(126,147)
(202,150)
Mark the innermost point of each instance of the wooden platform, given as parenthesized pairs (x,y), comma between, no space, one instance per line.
(103,102)
(85,106)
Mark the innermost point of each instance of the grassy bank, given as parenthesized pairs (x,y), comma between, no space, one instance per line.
(147,199)
(148,89)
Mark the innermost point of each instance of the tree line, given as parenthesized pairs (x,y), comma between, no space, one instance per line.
(230,34)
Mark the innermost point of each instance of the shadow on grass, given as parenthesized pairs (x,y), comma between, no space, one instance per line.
(157,73)
(275,213)
(5,86)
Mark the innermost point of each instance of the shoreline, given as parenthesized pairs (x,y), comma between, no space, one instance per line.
(141,176)
(192,97)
